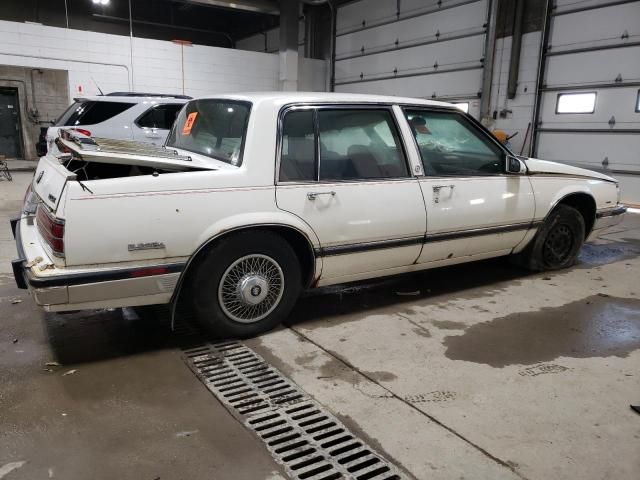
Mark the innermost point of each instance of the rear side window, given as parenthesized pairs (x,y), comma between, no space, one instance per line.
(91,112)
(298,160)
(160,116)
(359,144)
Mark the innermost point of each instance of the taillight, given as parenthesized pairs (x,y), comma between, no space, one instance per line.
(62,147)
(82,131)
(27,195)
(30,202)
(51,229)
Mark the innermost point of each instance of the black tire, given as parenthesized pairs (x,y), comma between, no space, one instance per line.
(557,243)
(205,288)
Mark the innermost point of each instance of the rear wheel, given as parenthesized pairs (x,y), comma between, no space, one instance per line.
(557,243)
(246,284)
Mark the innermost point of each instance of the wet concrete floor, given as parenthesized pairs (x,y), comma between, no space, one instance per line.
(597,326)
(103,395)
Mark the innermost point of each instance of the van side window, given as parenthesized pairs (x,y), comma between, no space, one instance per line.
(160,116)
(359,144)
(297,157)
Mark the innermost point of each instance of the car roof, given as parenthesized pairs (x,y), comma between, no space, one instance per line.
(283,98)
(131,99)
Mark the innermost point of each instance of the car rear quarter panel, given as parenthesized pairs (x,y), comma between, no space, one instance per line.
(180,210)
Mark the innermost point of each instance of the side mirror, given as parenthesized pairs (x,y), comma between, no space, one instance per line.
(515,166)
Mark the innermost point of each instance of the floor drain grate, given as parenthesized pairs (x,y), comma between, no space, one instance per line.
(300,434)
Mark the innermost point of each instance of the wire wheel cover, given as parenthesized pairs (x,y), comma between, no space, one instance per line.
(251,288)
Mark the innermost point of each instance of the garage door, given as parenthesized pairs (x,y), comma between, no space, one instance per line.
(418,48)
(589,100)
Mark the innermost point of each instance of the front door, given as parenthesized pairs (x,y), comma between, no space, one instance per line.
(10,134)
(473,206)
(343,171)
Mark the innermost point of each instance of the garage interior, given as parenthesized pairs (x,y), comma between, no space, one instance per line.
(480,370)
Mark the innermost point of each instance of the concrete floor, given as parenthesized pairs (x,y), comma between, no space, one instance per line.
(476,371)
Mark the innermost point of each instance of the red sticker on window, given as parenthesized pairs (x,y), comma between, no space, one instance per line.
(188,124)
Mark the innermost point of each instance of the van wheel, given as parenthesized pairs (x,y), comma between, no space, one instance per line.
(245,285)
(557,243)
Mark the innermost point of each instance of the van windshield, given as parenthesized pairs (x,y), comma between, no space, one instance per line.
(215,128)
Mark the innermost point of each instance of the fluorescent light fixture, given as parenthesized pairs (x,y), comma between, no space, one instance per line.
(100,2)
(576,102)
(464,106)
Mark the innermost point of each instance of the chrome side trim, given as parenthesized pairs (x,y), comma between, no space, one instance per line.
(367,246)
(475,232)
(612,212)
(424,239)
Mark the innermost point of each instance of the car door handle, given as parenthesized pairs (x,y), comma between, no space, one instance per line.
(437,188)
(314,195)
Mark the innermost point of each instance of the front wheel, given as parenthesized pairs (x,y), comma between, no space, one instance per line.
(246,284)
(557,243)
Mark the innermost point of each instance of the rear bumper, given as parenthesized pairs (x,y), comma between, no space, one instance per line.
(59,290)
(17,265)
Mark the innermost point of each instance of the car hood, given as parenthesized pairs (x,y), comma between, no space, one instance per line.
(536,167)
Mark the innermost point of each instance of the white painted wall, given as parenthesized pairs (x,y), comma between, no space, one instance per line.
(157,65)
(256,43)
(522,105)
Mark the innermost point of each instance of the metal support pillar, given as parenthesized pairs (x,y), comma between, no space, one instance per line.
(289,12)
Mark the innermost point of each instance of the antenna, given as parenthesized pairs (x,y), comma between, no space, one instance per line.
(97,86)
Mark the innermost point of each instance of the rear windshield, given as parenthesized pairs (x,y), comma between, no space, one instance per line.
(215,128)
(90,112)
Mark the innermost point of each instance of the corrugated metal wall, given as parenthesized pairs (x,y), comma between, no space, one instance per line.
(417,48)
(593,47)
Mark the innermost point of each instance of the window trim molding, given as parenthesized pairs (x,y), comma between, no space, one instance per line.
(595,99)
(475,125)
(315,107)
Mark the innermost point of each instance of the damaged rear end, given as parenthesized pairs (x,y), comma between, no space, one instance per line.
(50,241)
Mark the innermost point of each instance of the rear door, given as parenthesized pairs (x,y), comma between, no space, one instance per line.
(154,124)
(473,206)
(344,171)
(10,135)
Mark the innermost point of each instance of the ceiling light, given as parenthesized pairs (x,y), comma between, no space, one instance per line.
(100,2)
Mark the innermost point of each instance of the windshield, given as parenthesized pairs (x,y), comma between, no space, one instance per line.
(215,128)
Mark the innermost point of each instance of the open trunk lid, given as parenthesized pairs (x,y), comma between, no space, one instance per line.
(126,152)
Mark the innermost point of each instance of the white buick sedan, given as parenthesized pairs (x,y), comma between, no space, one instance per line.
(255,197)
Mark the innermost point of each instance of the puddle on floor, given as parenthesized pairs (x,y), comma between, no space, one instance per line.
(597,326)
(604,253)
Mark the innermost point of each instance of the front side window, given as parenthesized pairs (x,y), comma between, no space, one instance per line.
(359,144)
(450,145)
(215,128)
(160,116)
